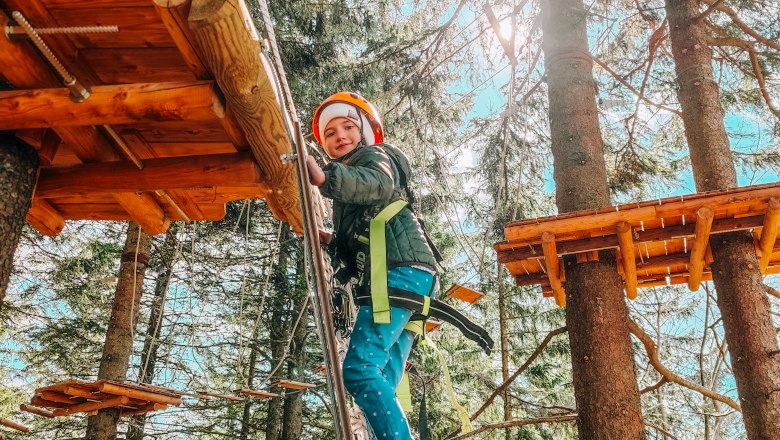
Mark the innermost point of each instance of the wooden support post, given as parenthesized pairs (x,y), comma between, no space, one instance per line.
(114,104)
(14,425)
(704,217)
(229,46)
(110,388)
(626,240)
(146,211)
(769,233)
(36,410)
(92,406)
(553,268)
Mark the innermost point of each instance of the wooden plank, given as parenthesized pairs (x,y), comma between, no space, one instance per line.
(92,406)
(45,218)
(55,396)
(769,233)
(133,65)
(255,393)
(116,104)
(527,232)
(171,149)
(704,216)
(36,410)
(111,388)
(180,131)
(139,26)
(626,240)
(431,325)
(551,263)
(55,4)
(226,37)
(174,16)
(291,384)
(14,425)
(464,293)
(234,170)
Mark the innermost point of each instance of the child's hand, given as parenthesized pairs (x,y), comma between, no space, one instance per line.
(316,175)
(325,236)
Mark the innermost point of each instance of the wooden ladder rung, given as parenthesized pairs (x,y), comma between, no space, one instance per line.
(258,394)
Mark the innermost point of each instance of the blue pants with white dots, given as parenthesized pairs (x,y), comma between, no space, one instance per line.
(376,357)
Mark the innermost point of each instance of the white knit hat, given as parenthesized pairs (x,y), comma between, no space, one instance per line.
(344,110)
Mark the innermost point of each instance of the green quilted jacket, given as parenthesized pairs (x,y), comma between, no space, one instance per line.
(360,185)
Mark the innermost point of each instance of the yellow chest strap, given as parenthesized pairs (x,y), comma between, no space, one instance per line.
(378,249)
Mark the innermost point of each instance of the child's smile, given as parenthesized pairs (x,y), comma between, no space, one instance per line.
(342,135)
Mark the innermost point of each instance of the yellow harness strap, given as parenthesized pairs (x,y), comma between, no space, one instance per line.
(378,249)
(465,420)
(404,393)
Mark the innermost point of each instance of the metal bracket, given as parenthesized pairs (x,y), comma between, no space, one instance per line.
(288,158)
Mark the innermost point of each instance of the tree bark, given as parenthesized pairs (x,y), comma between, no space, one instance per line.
(502,321)
(292,420)
(119,336)
(18,166)
(167,257)
(246,415)
(605,385)
(741,297)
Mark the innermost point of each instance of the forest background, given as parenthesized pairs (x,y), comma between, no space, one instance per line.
(225,304)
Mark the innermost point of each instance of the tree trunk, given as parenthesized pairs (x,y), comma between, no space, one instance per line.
(502,321)
(18,166)
(167,257)
(292,420)
(742,299)
(119,336)
(246,416)
(596,314)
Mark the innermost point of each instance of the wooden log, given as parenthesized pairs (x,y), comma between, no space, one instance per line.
(551,263)
(114,104)
(230,170)
(92,406)
(39,401)
(291,384)
(55,396)
(255,393)
(45,218)
(110,388)
(36,410)
(229,46)
(607,220)
(769,233)
(128,412)
(704,216)
(626,240)
(14,425)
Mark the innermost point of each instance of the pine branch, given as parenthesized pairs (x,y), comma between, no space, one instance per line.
(636,92)
(521,422)
(742,25)
(652,354)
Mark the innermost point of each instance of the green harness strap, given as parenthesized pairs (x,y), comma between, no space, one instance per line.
(378,250)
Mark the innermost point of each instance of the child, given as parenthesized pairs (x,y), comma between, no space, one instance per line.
(374,229)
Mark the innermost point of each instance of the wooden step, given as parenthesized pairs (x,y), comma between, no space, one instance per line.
(463,293)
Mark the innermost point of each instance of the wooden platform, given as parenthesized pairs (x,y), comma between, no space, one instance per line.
(658,242)
(168,133)
(76,396)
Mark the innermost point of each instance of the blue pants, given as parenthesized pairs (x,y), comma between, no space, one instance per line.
(376,358)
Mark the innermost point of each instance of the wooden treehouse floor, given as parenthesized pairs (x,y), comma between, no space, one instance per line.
(159,139)
(658,242)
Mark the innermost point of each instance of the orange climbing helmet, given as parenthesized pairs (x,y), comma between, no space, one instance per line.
(352,106)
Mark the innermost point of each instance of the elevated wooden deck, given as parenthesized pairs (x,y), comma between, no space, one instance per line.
(183,116)
(658,242)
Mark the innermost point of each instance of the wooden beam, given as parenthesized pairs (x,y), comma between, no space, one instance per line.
(146,211)
(769,233)
(626,239)
(36,410)
(115,104)
(229,45)
(704,216)
(553,268)
(14,425)
(92,406)
(110,388)
(255,393)
(230,170)
(607,220)
(174,16)
(45,218)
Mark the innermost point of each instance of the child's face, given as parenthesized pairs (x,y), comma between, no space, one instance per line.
(342,135)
